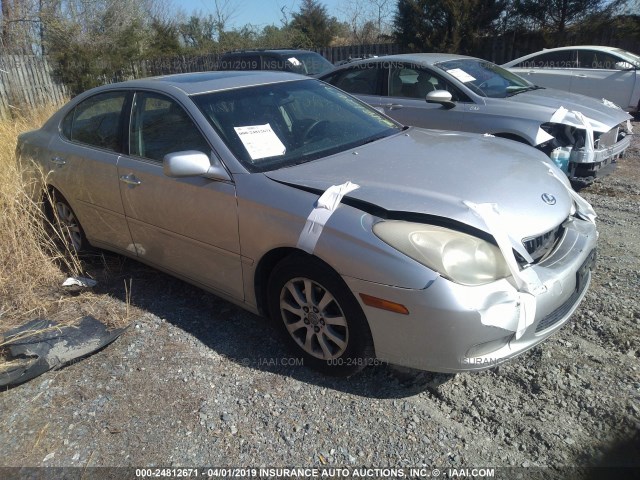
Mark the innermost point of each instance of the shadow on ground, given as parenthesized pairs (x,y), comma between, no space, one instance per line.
(238,335)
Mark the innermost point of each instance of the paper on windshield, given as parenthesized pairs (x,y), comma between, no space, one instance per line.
(260,141)
(461,75)
(294,61)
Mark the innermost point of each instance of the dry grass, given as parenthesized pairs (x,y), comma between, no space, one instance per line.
(33,262)
(32,266)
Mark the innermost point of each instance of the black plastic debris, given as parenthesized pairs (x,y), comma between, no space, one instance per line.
(42,345)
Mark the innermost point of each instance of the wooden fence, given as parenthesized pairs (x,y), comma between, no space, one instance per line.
(26,82)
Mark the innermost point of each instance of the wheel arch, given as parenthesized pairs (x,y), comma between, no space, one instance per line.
(266,265)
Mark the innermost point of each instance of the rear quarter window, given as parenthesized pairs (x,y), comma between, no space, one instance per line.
(96,121)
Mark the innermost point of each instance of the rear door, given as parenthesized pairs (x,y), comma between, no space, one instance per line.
(83,165)
(365,81)
(187,226)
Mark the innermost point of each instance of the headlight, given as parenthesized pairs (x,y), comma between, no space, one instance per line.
(461,258)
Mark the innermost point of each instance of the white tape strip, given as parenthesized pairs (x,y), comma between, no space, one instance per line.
(325,206)
(527,281)
(562,115)
(543,136)
(610,104)
(589,141)
(583,207)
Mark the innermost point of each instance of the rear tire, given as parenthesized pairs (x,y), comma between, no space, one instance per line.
(66,224)
(319,317)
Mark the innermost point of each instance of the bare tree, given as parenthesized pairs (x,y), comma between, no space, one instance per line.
(367,19)
(223,12)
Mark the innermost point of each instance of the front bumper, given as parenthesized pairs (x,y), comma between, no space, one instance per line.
(583,168)
(455,328)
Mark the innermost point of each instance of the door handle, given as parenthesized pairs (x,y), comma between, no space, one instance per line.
(531,72)
(130,180)
(58,161)
(393,106)
(581,75)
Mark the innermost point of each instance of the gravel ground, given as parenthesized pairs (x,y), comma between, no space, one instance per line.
(197,381)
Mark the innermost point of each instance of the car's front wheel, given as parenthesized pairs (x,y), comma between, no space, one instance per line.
(319,317)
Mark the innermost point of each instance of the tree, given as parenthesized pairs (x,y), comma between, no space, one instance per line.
(90,41)
(313,21)
(556,15)
(366,20)
(164,39)
(198,33)
(445,25)
(20,26)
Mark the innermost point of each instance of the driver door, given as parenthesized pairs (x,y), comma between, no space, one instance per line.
(187,226)
(408,87)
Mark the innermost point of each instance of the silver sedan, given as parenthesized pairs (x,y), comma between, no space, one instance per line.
(582,135)
(362,240)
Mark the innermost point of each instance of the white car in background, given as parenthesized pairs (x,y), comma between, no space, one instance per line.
(596,71)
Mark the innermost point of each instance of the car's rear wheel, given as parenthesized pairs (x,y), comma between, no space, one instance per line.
(319,317)
(66,224)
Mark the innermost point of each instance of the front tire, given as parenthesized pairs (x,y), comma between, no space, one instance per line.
(318,316)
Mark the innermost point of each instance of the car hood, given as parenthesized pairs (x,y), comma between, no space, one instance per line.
(602,117)
(434,172)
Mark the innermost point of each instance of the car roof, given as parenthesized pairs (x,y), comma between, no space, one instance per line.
(580,47)
(204,82)
(616,50)
(417,58)
(282,51)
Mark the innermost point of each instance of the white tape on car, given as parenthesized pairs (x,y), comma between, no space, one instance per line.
(583,207)
(325,206)
(576,119)
(542,136)
(610,104)
(527,281)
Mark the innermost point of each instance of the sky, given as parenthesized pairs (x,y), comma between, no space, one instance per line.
(255,12)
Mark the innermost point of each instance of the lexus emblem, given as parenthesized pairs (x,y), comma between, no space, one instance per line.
(548,199)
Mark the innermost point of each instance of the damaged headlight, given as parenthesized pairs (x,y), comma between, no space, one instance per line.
(460,257)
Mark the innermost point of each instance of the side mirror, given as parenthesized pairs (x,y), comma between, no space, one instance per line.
(192,163)
(623,66)
(442,97)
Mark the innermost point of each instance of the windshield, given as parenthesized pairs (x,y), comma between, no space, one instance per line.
(485,78)
(308,63)
(632,58)
(272,126)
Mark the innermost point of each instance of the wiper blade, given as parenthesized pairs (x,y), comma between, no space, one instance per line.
(522,89)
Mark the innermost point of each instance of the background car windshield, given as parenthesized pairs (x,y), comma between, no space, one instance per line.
(632,58)
(485,78)
(271,126)
(308,63)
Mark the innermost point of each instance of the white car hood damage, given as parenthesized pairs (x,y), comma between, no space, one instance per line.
(547,101)
(434,173)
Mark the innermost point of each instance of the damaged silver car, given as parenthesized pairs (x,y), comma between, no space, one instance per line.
(582,135)
(361,239)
